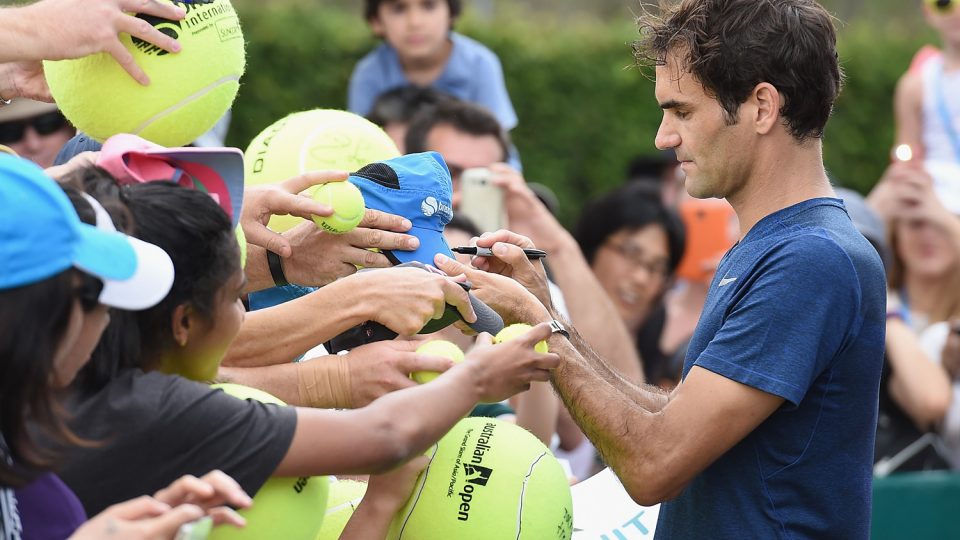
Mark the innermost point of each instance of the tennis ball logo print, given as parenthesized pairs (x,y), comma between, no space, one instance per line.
(165,26)
(476,474)
(201,16)
(188,92)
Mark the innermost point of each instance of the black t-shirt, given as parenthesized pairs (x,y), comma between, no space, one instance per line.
(153,428)
(896,431)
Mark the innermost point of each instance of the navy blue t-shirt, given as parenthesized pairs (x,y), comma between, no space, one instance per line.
(796,309)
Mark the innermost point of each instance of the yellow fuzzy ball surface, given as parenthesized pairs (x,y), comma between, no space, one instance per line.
(315,140)
(516,330)
(347,203)
(285,507)
(188,92)
(437,347)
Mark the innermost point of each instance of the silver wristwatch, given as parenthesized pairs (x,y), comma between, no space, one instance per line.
(557,327)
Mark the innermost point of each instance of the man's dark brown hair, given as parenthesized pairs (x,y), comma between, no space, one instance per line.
(730,46)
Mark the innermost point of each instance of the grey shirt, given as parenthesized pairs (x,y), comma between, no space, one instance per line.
(152,428)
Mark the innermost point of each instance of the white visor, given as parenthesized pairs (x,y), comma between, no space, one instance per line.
(150,282)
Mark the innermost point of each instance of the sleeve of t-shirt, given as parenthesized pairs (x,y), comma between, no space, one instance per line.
(491,89)
(364,87)
(790,318)
(244,438)
(154,428)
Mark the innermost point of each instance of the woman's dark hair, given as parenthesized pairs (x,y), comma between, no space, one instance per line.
(631,206)
(372,6)
(119,345)
(103,187)
(192,228)
(34,319)
(199,238)
(731,46)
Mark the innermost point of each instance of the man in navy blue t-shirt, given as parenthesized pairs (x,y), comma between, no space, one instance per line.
(771,432)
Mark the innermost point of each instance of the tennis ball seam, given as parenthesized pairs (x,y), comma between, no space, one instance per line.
(422,483)
(523,492)
(352,503)
(185,101)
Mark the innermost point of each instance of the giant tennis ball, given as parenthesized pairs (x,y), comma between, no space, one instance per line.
(516,330)
(320,139)
(242,242)
(289,508)
(188,91)
(488,479)
(344,497)
(437,347)
(347,203)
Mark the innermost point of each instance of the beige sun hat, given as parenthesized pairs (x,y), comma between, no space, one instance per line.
(19,109)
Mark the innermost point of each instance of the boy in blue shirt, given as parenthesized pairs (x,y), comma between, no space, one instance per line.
(420,48)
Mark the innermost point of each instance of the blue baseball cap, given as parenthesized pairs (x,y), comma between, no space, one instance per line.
(42,236)
(417,187)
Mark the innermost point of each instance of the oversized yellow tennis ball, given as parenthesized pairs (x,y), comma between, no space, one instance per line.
(488,479)
(516,330)
(188,92)
(242,242)
(344,497)
(347,203)
(320,139)
(437,347)
(285,507)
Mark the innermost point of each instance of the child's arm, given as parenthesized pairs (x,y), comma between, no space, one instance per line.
(386,494)
(908,112)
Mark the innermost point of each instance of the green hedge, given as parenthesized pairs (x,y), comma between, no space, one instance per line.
(584,112)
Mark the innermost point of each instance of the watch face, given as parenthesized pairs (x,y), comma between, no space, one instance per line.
(558,328)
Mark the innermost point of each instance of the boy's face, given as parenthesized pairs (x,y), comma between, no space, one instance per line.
(417,29)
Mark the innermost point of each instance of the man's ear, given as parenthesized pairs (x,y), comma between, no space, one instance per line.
(180,322)
(768,102)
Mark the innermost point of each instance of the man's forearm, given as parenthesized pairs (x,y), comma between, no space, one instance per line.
(592,311)
(617,417)
(651,398)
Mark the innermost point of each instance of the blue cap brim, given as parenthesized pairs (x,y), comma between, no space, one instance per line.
(431,243)
(104,254)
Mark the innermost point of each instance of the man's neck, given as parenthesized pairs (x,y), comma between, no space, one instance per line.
(785,174)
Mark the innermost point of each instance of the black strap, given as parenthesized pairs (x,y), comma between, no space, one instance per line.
(276,269)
